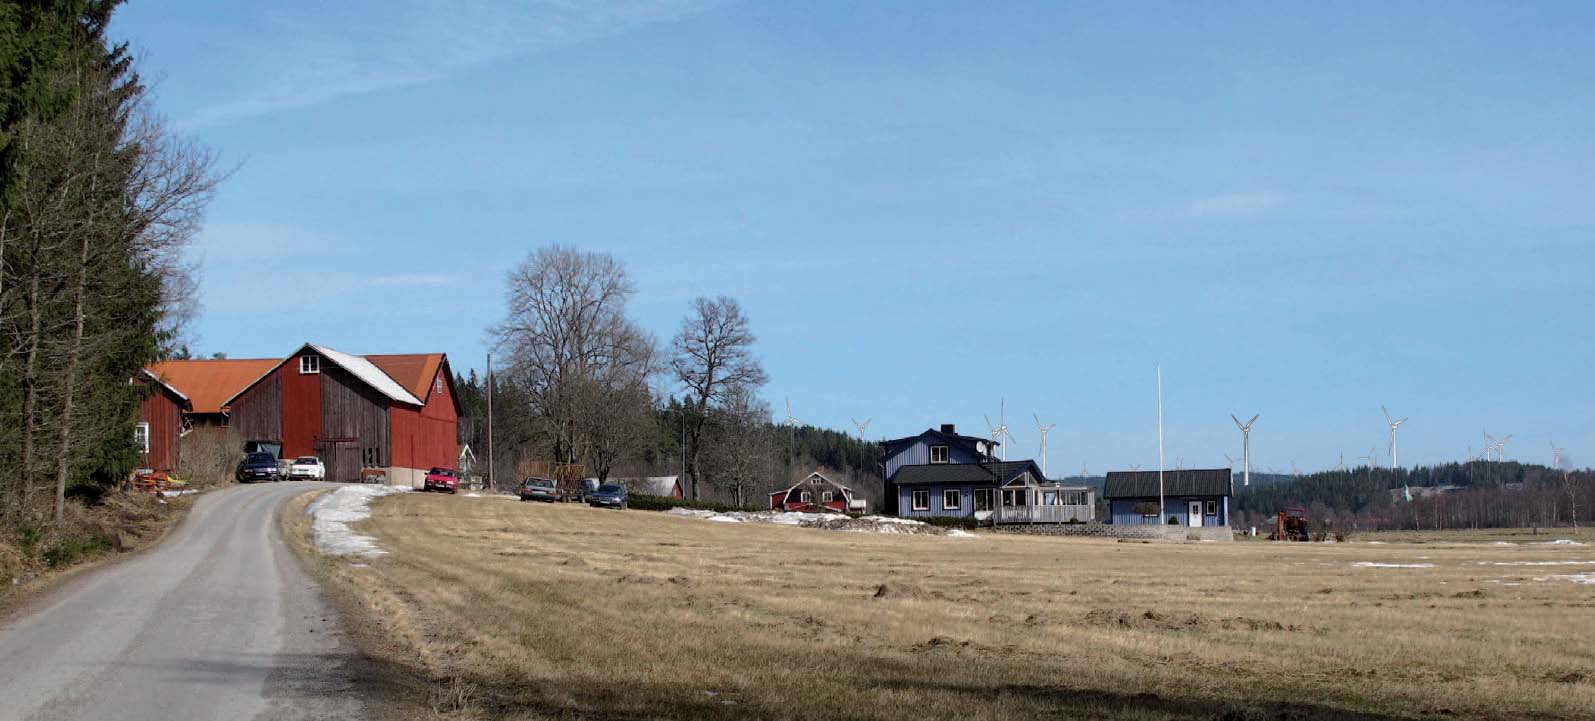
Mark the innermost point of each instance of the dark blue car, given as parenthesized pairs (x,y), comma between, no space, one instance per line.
(258,467)
(609,495)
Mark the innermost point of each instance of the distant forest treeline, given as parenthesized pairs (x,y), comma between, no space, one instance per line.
(1477,494)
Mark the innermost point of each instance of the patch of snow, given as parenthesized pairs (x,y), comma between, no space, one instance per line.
(1584,579)
(826,521)
(960,533)
(186,492)
(1538,563)
(1561,542)
(1371,564)
(1503,543)
(1371,543)
(331,514)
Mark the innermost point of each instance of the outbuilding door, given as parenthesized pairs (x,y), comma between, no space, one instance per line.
(1196,514)
(341,459)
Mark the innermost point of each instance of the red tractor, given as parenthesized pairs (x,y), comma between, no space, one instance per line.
(1291,525)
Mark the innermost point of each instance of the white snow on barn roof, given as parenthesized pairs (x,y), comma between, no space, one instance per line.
(368,373)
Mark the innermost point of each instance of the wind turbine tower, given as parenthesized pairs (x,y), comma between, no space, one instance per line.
(1042,429)
(1500,448)
(1246,445)
(1000,432)
(1556,457)
(1394,424)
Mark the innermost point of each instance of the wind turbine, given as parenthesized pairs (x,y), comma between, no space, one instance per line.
(861,426)
(1042,429)
(791,427)
(1231,460)
(1000,431)
(1556,457)
(1246,445)
(1341,464)
(1500,448)
(1489,445)
(1394,424)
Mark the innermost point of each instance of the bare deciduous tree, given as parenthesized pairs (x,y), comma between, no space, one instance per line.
(712,358)
(573,350)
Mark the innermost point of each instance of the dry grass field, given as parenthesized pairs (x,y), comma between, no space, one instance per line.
(507,610)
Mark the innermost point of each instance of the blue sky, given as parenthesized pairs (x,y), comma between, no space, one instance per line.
(1299,211)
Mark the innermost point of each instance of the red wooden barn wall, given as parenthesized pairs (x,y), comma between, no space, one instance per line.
(165,416)
(427,436)
(301,407)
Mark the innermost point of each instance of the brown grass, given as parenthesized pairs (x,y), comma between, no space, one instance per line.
(512,611)
(34,559)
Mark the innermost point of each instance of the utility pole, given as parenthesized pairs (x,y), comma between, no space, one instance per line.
(1161,512)
(490,483)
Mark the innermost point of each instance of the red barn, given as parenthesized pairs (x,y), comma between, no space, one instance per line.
(160,424)
(393,413)
(814,494)
(208,383)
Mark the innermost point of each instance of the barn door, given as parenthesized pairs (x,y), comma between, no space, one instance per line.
(342,459)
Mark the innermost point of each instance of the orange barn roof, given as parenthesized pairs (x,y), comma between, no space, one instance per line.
(208,383)
(414,371)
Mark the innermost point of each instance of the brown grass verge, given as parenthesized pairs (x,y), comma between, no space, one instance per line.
(505,610)
(35,562)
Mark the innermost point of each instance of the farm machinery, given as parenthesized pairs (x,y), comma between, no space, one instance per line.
(1290,525)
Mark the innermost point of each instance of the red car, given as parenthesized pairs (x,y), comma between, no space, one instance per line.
(442,479)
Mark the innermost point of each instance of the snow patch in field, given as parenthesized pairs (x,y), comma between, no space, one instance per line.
(1371,543)
(959,533)
(1503,543)
(1584,579)
(1561,542)
(825,521)
(1537,563)
(185,492)
(1371,564)
(331,514)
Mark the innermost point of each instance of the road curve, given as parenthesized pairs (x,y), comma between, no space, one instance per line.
(217,622)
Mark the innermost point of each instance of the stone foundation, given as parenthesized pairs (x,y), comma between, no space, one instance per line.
(1103,530)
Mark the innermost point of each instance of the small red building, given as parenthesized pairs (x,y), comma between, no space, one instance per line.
(815,494)
(396,414)
(160,424)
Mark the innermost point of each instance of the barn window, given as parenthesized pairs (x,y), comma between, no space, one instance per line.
(1212,508)
(826,497)
(805,497)
(437,385)
(950,499)
(938,454)
(921,500)
(983,499)
(141,437)
(309,364)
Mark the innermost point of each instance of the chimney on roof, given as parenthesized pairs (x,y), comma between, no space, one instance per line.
(948,429)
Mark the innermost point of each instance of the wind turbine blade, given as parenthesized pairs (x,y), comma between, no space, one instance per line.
(1237,421)
(1386,412)
(1253,420)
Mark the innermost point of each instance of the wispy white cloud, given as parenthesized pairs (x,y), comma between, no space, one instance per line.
(1235,205)
(410,279)
(352,48)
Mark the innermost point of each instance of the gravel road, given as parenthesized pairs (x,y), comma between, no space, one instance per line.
(217,622)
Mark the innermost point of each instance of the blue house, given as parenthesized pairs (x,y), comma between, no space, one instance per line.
(942,473)
(1190,497)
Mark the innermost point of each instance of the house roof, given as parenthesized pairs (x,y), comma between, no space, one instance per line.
(971,443)
(998,472)
(656,485)
(811,477)
(1187,482)
(208,384)
(413,371)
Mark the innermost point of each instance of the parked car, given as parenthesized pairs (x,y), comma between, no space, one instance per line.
(442,479)
(609,495)
(307,468)
(258,467)
(540,489)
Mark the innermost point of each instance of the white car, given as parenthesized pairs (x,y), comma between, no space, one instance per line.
(307,468)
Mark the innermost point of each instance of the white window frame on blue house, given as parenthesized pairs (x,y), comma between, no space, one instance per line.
(957,497)
(914,497)
(1211,507)
(938,457)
